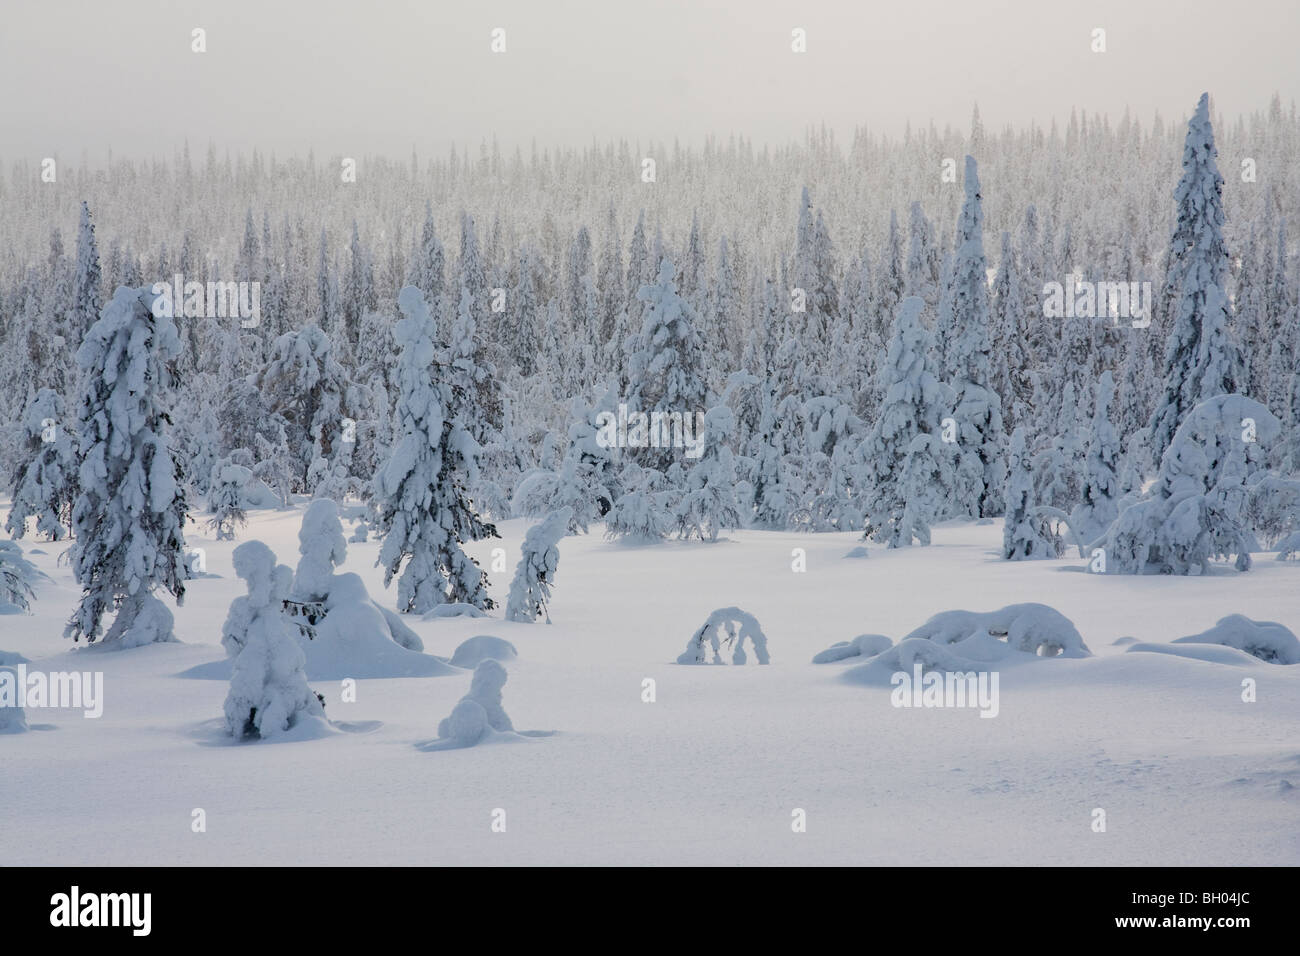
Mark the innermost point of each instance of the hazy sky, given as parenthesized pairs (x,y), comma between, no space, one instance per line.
(365,78)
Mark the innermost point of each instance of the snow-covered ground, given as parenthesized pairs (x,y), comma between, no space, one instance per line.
(711,771)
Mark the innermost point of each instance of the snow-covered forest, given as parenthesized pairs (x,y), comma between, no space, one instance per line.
(783,302)
(631,387)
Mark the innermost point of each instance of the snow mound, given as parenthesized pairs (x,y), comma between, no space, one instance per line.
(1210,653)
(737,626)
(12,659)
(1032,628)
(858,552)
(12,718)
(864,645)
(480,648)
(152,623)
(964,641)
(479,716)
(1266,640)
(453,610)
(355,640)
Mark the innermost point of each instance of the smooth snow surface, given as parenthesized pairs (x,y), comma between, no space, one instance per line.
(709,773)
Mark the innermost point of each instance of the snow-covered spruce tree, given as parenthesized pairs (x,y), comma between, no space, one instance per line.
(585,484)
(1101,487)
(44,483)
(964,313)
(1023,534)
(1198,262)
(307,386)
(664,372)
(16,577)
(1009,339)
(912,403)
(421,503)
(130,514)
(427,267)
(475,392)
(85,296)
(708,503)
(226,499)
(643,513)
(538,561)
(890,277)
(1193,512)
(269,693)
(1058,468)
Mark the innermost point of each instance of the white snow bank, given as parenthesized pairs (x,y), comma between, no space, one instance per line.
(482,647)
(12,718)
(864,645)
(1210,653)
(453,610)
(1265,640)
(738,626)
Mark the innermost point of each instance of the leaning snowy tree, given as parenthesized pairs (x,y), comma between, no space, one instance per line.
(422,507)
(538,562)
(130,515)
(45,480)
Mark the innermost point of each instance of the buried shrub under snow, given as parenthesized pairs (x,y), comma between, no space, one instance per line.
(964,641)
(729,625)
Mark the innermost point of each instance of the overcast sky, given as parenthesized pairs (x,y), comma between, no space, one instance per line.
(380,76)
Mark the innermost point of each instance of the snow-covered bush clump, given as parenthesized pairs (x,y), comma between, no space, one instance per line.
(321,545)
(16,577)
(972,641)
(1031,628)
(226,499)
(864,645)
(1288,547)
(340,631)
(540,559)
(730,626)
(1193,513)
(479,716)
(1266,640)
(269,693)
(1273,509)
(643,513)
